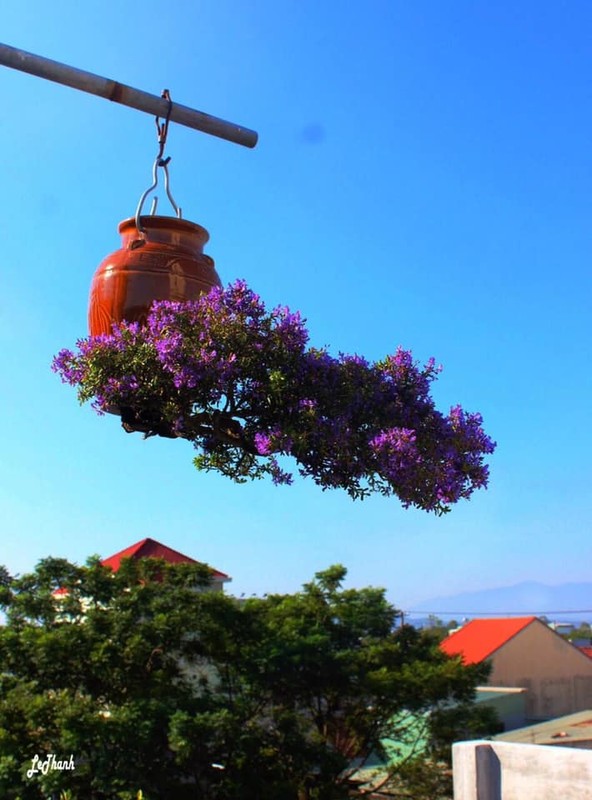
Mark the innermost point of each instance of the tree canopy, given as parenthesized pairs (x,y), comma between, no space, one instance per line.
(152,683)
(241,383)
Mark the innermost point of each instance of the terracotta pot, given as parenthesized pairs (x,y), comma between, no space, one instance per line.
(166,263)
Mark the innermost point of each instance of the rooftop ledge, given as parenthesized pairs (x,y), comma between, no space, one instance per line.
(481,768)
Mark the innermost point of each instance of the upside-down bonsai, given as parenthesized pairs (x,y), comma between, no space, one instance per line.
(241,383)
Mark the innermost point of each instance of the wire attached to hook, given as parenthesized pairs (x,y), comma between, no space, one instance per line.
(162,129)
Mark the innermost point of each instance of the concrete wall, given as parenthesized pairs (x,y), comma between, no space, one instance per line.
(504,771)
(557,675)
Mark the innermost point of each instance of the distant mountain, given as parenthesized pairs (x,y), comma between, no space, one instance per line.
(567,602)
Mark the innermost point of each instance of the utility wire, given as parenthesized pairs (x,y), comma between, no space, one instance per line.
(497,613)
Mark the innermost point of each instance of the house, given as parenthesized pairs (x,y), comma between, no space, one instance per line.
(150,548)
(524,652)
(563,628)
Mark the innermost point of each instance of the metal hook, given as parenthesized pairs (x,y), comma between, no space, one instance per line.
(163,129)
(162,133)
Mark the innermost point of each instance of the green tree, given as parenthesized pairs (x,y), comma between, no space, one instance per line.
(582,632)
(154,685)
(439,629)
(96,673)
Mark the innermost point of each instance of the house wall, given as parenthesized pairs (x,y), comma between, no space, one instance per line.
(508,703)
(558,677)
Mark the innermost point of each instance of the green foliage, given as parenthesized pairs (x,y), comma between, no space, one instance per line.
(582,633)
(154,685)
(422,779)
(439,629)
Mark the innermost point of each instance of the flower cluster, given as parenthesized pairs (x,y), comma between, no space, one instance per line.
(242,384)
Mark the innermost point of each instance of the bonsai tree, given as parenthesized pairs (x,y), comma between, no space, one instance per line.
(244,386)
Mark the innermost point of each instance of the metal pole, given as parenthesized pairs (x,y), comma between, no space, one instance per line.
(126,95)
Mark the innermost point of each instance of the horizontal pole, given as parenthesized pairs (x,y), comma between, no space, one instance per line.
(126,95)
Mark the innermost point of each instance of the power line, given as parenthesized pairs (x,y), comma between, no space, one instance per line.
(497,613)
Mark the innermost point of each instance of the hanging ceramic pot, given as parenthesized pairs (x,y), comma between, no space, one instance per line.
(161,258)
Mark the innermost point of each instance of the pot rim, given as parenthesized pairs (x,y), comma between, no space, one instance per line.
(161,222)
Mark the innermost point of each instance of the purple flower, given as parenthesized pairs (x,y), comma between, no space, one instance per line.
(243,385)
(263,443)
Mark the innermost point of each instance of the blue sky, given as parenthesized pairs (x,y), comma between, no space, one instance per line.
(422,178)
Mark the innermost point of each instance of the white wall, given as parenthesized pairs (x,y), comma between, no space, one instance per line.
(506,771)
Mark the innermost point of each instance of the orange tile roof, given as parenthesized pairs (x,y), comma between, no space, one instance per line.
(480,638)
(150,548)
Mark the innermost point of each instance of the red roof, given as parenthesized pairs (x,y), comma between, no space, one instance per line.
(586,650)
(150,548)
(480,638)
